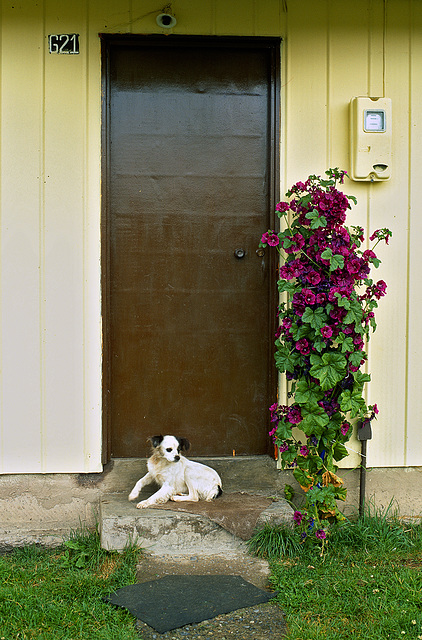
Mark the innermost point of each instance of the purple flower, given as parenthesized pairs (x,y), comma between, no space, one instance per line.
(270,238)
(303,346)
(273,432)
(308,296)
(296,243)
(283,447)
(380,289)
(273,410)
(294,415)
(282,206)
(304,451)
(344,428)
(320,534)
(298,517)
(369,255)
(286,272)
(313,277)
(381,234)
(326,331)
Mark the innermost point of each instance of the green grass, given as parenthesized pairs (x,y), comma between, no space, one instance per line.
(367,584)
(57,593)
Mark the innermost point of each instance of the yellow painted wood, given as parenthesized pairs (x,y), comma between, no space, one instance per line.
(50,117)
(64,160)
(390,208)
(306,90)
(21,243)
(414,395)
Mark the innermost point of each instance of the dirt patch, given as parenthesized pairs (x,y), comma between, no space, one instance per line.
(254,570)
(259,622)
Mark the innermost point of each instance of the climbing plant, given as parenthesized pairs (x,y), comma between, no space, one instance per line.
(325,321)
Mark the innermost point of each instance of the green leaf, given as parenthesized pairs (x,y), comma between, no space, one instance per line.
(355,314)
(352,401)
(316,318)
(299,332)
(286,361)
(301,477)
(347,344)
(339,451)
(336,261)
(307,392)
(319,345)
(329,368)
(356,357)
(327,254)
(288,285)
(361,378)
(284,430)
(342,301)
(316,220)
(341,493)
(288,456)
(314,419)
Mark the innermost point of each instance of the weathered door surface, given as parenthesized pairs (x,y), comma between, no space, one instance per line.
(190,191)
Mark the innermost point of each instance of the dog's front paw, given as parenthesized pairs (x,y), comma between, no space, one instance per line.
(133,495)
(142,505)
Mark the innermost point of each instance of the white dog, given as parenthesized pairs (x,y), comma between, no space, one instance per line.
(179,479)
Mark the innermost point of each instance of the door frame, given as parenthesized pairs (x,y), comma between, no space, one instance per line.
(109,41)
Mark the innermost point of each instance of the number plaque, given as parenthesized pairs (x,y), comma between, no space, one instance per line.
(64,43)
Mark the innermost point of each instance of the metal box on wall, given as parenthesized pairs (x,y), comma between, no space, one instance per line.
(370,138)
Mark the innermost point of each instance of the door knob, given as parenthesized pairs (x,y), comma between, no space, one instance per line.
(239,253)
(260,252)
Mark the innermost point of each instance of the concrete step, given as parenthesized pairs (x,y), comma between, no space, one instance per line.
(167,532)
(238,473)
(170,533)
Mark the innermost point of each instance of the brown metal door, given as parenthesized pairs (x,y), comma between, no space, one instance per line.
(190,190)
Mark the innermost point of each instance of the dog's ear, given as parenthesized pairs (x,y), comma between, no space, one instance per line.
(184,444)
(156,440)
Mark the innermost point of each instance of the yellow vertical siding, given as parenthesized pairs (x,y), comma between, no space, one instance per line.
(50,116)
(414,309)
(21,241)
(389,207)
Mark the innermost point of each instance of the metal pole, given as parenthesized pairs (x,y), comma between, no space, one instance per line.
(362,479)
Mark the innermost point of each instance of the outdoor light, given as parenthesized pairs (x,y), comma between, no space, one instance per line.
(166,20)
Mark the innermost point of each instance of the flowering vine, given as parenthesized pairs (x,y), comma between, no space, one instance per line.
(320,343)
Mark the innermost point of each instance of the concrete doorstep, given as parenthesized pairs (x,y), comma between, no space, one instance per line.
(182,543)
(178,542)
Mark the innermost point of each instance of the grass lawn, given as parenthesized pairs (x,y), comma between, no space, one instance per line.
(57,593)
(368,584)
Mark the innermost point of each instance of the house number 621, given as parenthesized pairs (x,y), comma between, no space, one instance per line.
(63,43)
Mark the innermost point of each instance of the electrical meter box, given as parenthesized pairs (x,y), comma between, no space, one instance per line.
(370,139)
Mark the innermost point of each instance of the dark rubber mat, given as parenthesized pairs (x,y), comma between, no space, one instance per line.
(175,601)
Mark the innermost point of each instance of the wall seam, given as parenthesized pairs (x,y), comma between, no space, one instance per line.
(1,237)
(409,222)
(328,87)
(41,240)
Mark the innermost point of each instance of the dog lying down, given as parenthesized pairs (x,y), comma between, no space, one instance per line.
(179,479)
